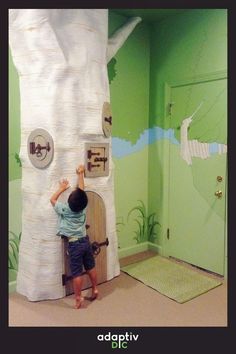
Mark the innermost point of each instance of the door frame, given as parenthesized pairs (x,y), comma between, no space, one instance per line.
(212,76)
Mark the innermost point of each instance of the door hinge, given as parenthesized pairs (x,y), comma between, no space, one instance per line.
(65,278)
(168,234)
(170,106)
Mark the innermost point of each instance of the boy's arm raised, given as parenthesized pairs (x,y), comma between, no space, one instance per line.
(80,172)
(63,185)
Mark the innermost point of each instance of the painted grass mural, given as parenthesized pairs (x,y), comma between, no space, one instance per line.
(14,241)
(111,69)
(18,160)
(146,223)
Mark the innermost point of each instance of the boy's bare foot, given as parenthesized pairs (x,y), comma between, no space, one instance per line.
(78,302)
(94,294)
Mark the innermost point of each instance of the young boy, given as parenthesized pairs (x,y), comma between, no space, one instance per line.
(72,219)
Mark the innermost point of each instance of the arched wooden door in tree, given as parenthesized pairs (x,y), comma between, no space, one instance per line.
(96,230)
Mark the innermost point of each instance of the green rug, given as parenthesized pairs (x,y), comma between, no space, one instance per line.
(175,281)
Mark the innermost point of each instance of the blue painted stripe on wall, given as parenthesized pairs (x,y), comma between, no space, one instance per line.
(214,148)
(121,147)
(158,133)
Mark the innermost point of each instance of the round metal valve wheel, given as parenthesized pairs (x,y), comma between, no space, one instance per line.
(40,148)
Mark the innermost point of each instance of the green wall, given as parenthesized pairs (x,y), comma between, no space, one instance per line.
(188,44)
(185,46)
(15,202)
(130,87)
(130,107)
(14,122)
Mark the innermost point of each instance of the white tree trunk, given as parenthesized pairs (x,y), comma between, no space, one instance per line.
(61,58)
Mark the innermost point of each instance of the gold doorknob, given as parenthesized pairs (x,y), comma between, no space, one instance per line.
(218,194)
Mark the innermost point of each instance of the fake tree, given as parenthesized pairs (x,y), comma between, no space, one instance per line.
(61,56)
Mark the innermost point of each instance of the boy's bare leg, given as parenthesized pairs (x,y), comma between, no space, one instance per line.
(93,277)
(77,284)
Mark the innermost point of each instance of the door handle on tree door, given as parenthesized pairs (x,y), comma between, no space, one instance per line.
(96,247)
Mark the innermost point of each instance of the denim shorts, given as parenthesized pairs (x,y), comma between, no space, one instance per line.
(80,255)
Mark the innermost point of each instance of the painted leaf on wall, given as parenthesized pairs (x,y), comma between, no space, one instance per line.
(146,223)
(14,241)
